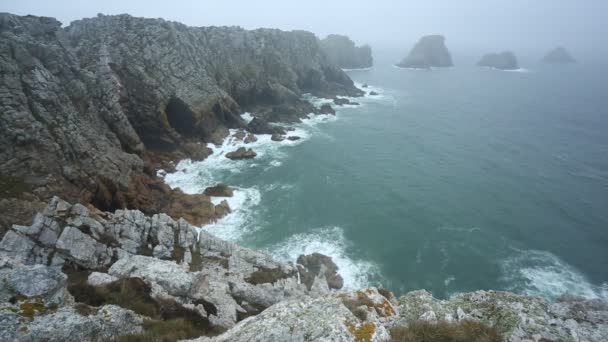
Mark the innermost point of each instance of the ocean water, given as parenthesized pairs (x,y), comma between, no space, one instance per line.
(450,180)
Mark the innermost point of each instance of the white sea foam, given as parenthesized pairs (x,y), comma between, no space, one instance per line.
(247,117)
(357,69)
(540,273)
(329,241)
(241,220)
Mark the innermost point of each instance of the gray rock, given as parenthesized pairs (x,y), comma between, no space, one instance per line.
(430,51)
(317,264)
(559,55)
(241,153)
(503,61)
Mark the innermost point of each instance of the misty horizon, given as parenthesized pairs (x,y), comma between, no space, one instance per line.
(471,28)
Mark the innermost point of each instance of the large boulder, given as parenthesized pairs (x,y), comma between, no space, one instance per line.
(430,51)
(503,61)
(259,126)
(327,109)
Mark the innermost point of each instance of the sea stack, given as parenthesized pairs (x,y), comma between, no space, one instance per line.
(343,52)
(430,51)
(503,61)
(559,55)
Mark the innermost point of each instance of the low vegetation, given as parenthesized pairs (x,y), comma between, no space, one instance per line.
(444,331)
(12,186)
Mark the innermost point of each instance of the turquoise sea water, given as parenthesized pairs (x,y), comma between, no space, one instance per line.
(450,180)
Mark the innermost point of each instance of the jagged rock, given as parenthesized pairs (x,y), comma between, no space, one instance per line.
(293,138)
(373,93)
(84,119)
(317,264)
(327,109)
(259,126)
(96,278)
(277,137)
(364,85)
(241,153)
(222,209)
(559,55)
(343,52)
(219,190)
(430,51)
(503,61)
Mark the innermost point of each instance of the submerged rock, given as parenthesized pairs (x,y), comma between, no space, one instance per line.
(277,137)
(559,55)
(327,109)
(340,101)
(373,93)
(430,51)
(219,190)
(293,138)
(343,52)
(503,61)
(241,153)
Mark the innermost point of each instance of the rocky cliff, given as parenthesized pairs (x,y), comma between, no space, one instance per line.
(559,55)
(430,51)
(503,61)
(81,274)
(343,52)
(92,109)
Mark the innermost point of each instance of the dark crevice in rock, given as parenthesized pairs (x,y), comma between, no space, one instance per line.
(181,117)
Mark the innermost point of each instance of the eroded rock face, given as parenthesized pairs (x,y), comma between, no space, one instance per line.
(343,52)
(559,55)
(90,110)
(430,51)
(327,109)
(503,61)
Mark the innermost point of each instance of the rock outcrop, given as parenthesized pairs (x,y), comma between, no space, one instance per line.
(241,153)
(343,52)
(92,109)
(559,55)
(504,61)
(430,51)
(219,190)
(163,262)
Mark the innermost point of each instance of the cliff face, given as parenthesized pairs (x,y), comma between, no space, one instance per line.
(89,110)
(343,52)
(503,61)
(430,51)
(558,55)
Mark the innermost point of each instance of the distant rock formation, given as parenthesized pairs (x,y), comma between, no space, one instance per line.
(503,61)
(559,55)
(343,52)
(430,51)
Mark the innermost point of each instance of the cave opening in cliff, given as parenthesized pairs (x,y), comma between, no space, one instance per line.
(181,117)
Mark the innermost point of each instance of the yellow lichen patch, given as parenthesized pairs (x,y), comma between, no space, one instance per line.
(387,307)
(361,332)
(29,309)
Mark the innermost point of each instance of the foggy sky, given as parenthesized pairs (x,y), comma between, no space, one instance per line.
(471,26)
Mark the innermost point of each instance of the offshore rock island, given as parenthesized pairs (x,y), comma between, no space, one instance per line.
(503,61)
(429,52)
(95,246)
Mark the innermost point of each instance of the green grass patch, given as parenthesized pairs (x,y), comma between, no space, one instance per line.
(11,187)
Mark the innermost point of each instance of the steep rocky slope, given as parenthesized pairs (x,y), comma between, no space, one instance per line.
(430,51)
(90,110)
(503,61)
(81,274)
(344,53)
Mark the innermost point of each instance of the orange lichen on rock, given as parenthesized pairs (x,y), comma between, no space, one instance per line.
(361,332)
